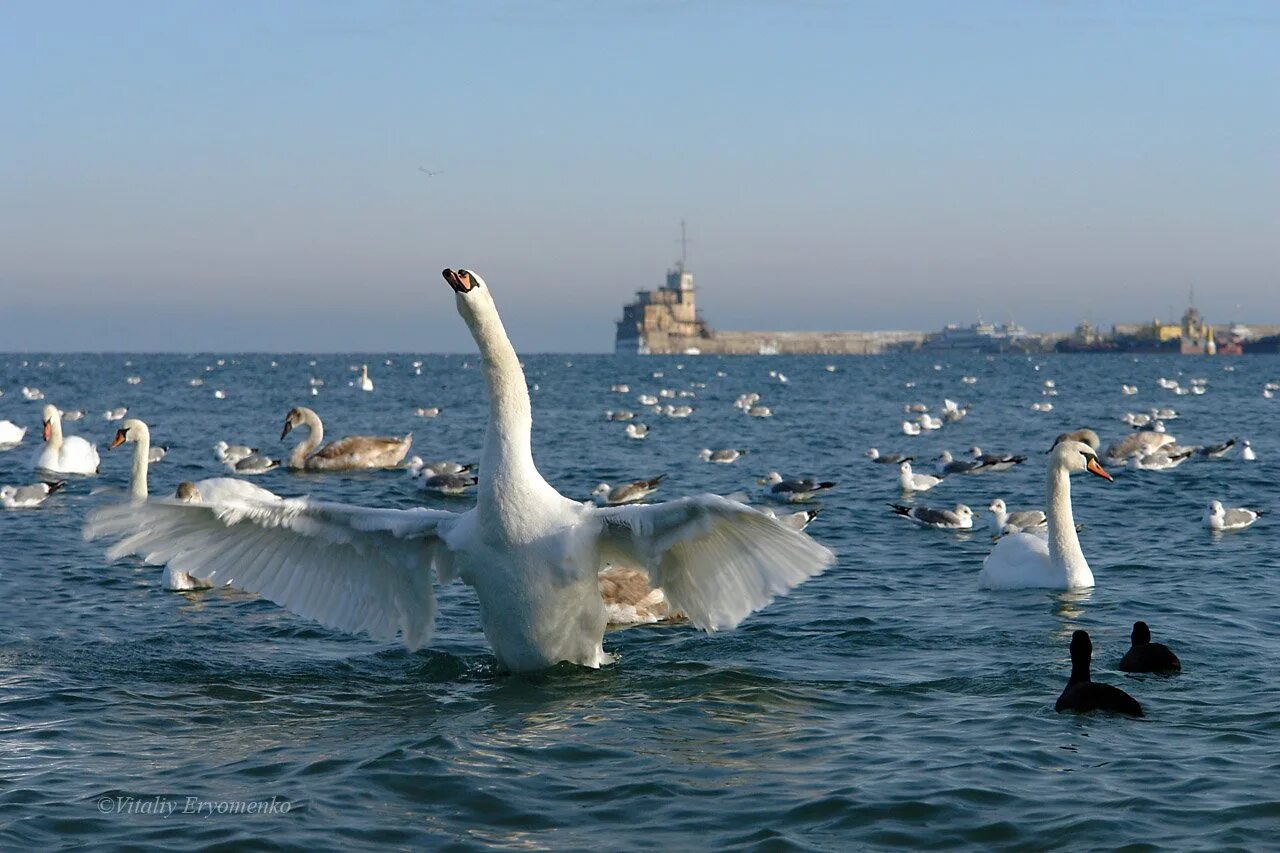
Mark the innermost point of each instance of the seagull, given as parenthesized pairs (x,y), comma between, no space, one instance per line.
(450,485)
(1216,451)
(1138,444)
(1237,518)
(116,414)
(908,428)
(912,482)
(429,412)
(27,497)
(621,415)
(1161,460)
(960,518)
(255,463)
(626,493)
(946,466)
(417,468)
(1247,453)
(887,458)
(723,457)
(230,454)
(1023,521)
(795,520)
(636,430)
(429,173)
(952,413)
(792,491)
(995,461)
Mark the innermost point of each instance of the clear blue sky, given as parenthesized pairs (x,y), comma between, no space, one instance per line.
(179,175)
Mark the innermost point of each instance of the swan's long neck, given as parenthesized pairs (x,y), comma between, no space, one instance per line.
(506,467)
(138,471)
(315,435)
(1064,544)
(55,431)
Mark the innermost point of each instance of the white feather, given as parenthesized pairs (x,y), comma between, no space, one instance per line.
(351,568)
(717,561)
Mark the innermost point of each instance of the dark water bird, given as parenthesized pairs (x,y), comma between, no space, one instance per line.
(1083,695)
(1146,656)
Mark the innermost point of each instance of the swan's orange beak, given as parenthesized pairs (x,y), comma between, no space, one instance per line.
(460,281)
(118,440)
(1095,469)
(47,430)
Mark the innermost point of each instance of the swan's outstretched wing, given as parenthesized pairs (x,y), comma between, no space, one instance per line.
(716,560)
(351,568)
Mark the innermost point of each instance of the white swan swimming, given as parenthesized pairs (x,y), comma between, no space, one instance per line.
(11,434)
(1025,561)
(64,455)
(532,555)
(213,490)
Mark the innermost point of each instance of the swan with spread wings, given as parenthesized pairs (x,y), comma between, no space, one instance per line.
(532,555)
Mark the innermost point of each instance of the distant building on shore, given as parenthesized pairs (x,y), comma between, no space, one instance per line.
(666,321)
(1191,336)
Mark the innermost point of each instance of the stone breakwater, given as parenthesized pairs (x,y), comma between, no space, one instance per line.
(784,343)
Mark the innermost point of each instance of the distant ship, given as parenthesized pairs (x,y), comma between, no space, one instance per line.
(986,337)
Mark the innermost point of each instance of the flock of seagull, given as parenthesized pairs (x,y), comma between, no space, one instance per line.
(550,573)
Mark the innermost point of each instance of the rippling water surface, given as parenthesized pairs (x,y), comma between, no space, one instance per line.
(888,702)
